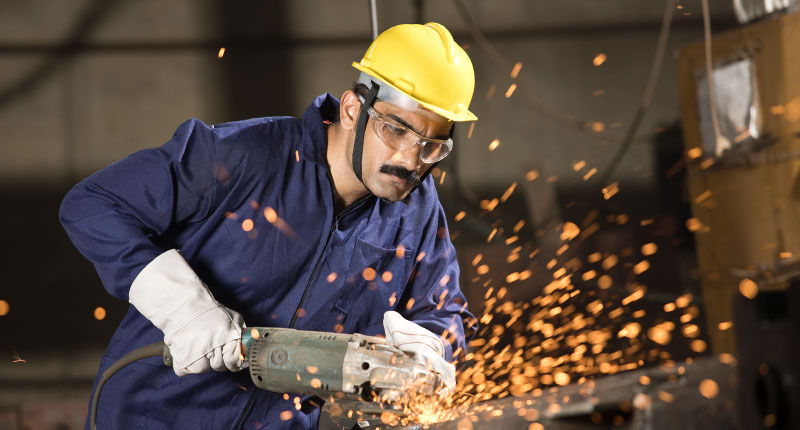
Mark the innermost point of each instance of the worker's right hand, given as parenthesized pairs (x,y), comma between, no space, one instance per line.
(201,333)
(423,345)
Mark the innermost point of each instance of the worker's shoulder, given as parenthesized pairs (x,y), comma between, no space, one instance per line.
(261,130)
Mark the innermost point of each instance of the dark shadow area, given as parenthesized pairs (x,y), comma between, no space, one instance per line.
(52,291)
(258,77)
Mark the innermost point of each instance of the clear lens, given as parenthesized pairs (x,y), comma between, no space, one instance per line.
(400,138)
(434,151)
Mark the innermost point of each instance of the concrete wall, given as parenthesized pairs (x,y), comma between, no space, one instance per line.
(87,82)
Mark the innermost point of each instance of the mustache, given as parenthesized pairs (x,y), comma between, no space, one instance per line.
(409,176)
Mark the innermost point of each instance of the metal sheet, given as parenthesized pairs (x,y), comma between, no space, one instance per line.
(749,10)
(736,100)
(672,398)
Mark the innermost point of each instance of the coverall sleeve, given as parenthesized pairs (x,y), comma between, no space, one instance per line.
(117,217)
(435,300)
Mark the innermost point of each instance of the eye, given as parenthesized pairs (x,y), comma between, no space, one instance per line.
(395,130)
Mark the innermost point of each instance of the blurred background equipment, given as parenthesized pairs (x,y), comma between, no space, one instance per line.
(743,182)
(749,10)
(768,327)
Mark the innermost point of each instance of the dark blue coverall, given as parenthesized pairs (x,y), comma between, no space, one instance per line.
(195,194)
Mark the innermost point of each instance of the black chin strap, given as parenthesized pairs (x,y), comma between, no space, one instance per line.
(361,127)
(433,166)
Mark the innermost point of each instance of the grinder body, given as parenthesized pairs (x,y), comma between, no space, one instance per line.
(286,360)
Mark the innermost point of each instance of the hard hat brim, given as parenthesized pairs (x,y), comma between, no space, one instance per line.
(452,116)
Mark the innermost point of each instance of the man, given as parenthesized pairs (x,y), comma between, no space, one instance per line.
(326,223)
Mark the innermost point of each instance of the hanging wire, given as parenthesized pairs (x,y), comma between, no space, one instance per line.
(505,65)
(647,96)
(719,140)
(565,118)
(373,16)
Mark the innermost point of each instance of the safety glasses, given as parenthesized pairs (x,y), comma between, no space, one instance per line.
(399,137)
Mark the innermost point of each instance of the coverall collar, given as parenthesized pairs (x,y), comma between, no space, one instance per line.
(318,115)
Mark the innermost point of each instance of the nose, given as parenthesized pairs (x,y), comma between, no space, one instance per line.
(408,159)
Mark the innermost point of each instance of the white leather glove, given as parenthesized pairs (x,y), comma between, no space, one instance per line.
(425,347)
(201,333)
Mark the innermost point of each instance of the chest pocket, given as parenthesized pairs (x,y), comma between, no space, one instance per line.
(376,279)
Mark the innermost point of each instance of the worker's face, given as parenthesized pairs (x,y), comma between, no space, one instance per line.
(390,173)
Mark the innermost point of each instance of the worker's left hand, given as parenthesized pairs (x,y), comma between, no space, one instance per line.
(425,347)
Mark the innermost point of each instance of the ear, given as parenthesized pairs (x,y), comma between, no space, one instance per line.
(349,108)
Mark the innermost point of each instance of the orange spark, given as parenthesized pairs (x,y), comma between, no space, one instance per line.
(641,267)
(569,231)
(702,197)
(272,217)
(649,249)
(477,259)
(694,224)
(490,91)
(610,190)
(368,273)
(508,192)
(610,262)
(698,345)
(510,90)
(599,59)
(708,388)
(659,335)
(748,288)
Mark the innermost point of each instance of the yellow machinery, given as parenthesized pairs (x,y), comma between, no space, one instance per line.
(744,184)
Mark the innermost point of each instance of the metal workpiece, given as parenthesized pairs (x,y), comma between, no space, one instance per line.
(694,395)
(390,372)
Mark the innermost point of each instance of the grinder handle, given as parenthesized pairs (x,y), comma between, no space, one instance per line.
(247,341)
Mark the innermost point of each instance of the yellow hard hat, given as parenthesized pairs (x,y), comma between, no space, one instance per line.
(424,63)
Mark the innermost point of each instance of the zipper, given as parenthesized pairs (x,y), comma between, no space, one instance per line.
(314,272)
(246,411)
(334,224)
